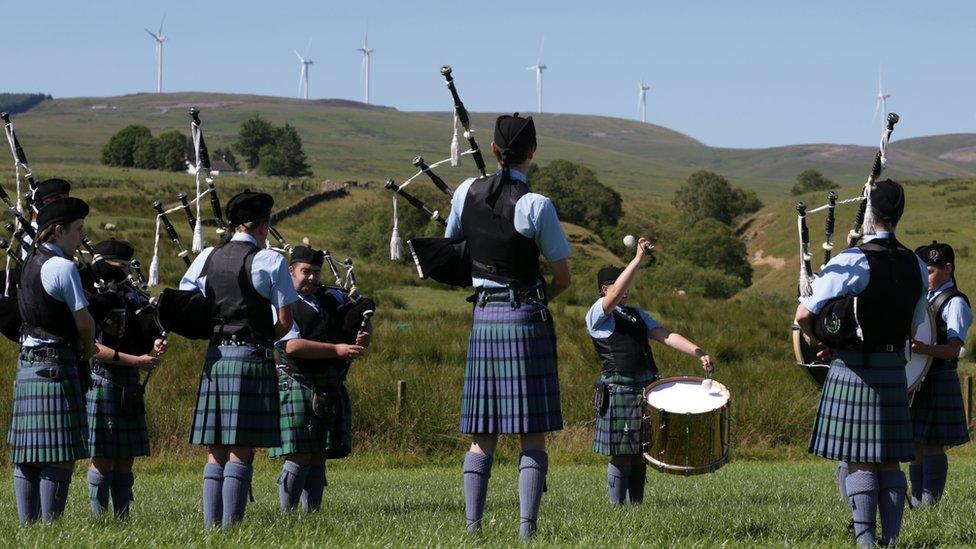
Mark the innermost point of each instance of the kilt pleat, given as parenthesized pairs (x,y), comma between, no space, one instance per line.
(863,415)
(237,401)
(48,423)
(938,412)
(302,431)
(111,433)
(511,383)
(618,429)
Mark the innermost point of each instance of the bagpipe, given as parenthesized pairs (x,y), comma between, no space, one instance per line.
(863,224)
(445,260)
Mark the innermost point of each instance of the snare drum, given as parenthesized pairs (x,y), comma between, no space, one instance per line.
(685,427)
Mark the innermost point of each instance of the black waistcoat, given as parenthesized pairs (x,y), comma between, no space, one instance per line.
(236,308)
(44,317)
(627,350)
(885,308)
(498,252)
(937,306)
(318,325)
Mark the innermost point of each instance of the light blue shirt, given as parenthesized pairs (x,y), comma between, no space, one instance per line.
(848,274)
(60,280)
(535,217)
(269,274)
(600,325)
(956,314)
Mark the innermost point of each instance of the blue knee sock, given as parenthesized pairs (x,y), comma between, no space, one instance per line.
(842,472)
(213,487)
(99,489)
(122,493)
(533,465)
(27,488)
(290,484)
(862,495)
(917,478)
(477,471)
(617,480)
(315,483)
(54,492)
(935,469)
(891,503)
(635,485)
(237,486)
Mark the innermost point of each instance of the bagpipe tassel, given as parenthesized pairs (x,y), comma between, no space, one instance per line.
(154,265)
(198,243)
(396,246)
(805,286)
(456,144)
(868,226)
(6,271)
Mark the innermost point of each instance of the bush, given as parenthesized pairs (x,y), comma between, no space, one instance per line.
(577,193)
(121,147)
(812,180)
(709,195)
(677,274)
(134,146)
(712,245)
(144,155)
(253,134)
(172,150)
(283,155)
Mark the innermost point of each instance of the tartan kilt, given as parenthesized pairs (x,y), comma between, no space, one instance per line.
(48,424)
(237,402)
(938,413)
(111,433)
(302,432)
(618,429)
(511,384)
(863,415)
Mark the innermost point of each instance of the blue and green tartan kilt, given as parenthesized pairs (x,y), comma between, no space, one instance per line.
(112,433)
(237,402)
(863,415)
(48,424)
(938,413)
(302,432)
(511,384)
(618,429)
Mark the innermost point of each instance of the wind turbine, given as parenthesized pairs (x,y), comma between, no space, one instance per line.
(881,104)
(367,51)
(538,68)
(305,61)
(159,38)
(642,100)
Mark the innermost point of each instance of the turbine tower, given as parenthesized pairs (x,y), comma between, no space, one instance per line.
(367,51)
(305,61)
(159,38)
(882,103)
(642,100)
(538,68)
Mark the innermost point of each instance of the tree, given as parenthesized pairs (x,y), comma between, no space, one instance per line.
(121,147)
(577,193)
(709,195)
(710,244)
(812,180)
(172,151)
(145,154)
(253,134)
(283,156)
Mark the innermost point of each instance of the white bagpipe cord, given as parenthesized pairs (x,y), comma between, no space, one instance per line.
(6,267)
(868,226)
(805,284)
(455,143)
(198,244)
(154,265)
(396,244)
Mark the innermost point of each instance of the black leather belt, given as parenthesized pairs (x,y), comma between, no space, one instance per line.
(504,295)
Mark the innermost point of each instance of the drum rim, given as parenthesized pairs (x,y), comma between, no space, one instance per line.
(688,470)
(674,379)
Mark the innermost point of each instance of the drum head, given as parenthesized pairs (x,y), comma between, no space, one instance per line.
(686,395)
(918,364)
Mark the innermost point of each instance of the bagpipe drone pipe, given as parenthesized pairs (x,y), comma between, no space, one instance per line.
(442,259)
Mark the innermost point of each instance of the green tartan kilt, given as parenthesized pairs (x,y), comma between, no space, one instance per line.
(48,424)
(618,429)
(237,402)
(938,412)
(302,432)
(112,433)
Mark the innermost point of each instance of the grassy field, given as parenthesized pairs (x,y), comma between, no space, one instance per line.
(744,504)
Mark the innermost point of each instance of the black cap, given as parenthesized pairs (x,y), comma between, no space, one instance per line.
(514,135)
(607,275)
(61,210)
(888,200)
(249,206)
(115,249)
(305,254)
(50,189)
(936,253)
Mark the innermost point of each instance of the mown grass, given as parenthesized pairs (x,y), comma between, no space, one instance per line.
(744,504)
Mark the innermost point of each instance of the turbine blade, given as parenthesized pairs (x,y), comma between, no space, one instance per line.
(151,33)
(541,45)
(161,21)
(299,56)
(877,107)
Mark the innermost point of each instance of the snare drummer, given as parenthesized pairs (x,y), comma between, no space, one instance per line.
(863,418)
(938,414)
(621,336)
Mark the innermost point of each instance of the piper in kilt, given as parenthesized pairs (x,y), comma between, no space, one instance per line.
(938,413)
(250,295)
(128,342)
(511,385)
(621,337)
(316,414)
(48,427)
(864,305)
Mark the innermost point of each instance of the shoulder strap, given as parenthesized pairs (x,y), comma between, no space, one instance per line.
(942,299)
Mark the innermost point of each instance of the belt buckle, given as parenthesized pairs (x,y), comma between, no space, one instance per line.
(268,352)
(54,374)
(889,348)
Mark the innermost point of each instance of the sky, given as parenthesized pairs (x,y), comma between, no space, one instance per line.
(747,73)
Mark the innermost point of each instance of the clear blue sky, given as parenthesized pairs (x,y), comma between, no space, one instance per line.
(730,73)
